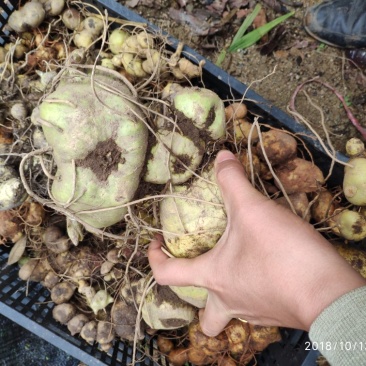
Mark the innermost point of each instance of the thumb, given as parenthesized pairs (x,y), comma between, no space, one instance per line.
(234,185)
(212,319)
(171,271)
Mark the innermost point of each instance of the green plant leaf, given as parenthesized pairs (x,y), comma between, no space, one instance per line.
(221,57)
(321,47)
(246,23)
(255,35)
(243,28)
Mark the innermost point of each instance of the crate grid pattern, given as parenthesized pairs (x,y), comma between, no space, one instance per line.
(6,8)
(30,303)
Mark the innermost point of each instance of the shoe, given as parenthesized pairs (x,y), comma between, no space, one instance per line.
(339,23)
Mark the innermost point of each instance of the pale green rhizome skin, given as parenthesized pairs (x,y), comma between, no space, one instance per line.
(99,141)
(193,224)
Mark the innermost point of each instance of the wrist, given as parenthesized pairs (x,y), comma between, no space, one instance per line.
(327,289)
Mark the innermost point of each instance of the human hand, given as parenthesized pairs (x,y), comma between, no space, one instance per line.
(270,267)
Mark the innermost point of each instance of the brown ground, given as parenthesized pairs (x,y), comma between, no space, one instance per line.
(297,58)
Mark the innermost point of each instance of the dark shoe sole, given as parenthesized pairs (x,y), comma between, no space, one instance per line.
(338,23)
(321,40)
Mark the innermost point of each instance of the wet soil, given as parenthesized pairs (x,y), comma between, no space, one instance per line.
(297,58)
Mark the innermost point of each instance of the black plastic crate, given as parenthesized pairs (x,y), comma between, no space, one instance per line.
(28,304)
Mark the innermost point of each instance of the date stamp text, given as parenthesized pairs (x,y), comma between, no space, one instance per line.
(333,346)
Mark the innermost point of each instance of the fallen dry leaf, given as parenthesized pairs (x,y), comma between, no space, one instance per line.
(237,4)
(274,42)
(197,23)
(280,54)
(217,6)
(17,250)
(276,5)
(147,3)
(132,3)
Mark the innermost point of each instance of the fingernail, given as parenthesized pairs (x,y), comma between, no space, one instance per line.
(159,238)
(154,245)
(224,155)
